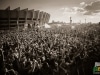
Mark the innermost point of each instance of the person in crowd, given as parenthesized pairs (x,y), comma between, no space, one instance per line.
(60,51)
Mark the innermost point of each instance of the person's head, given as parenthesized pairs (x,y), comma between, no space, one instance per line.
(39,60)
(63,60)
(12,72)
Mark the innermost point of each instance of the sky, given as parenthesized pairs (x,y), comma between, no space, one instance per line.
(60,10)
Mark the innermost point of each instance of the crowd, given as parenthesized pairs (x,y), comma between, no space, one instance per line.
(53,51)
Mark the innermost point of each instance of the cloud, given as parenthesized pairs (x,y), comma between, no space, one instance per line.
(83,4)
(92,8)
(68,11)
(78,9)
(71,11)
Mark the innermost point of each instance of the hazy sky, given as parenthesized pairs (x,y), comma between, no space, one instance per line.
(60,10)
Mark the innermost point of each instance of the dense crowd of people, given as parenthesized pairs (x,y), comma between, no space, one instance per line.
(53,51)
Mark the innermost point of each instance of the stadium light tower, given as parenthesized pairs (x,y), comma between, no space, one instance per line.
(70,20)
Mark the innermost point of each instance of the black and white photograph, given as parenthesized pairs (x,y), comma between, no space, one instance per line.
(49,37)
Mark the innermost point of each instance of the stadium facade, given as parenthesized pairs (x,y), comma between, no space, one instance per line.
(19,18)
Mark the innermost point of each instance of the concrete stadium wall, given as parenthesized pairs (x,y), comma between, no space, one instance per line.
(16,17)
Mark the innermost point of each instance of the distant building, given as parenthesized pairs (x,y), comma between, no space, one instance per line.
(16,18)
(99,23)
